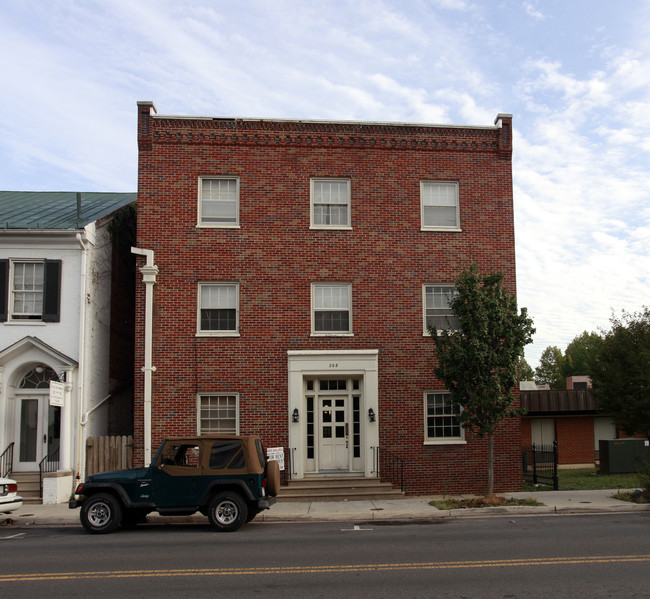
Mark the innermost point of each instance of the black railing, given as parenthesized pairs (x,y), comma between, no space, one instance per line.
(7,461)
(388,467)
(50,463)
(540,464)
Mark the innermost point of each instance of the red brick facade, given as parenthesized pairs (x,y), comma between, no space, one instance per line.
(274,256)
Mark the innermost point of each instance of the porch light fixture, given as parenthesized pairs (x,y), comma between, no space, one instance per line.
(371,415)
(295,416)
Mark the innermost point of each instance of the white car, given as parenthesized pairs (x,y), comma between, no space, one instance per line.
(9,498)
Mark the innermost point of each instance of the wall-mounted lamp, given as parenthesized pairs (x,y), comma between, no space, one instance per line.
(295,417)
(371,415)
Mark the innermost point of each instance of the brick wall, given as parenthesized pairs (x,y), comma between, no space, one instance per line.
(275,256)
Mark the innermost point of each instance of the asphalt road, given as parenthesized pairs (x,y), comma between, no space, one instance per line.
(514,557)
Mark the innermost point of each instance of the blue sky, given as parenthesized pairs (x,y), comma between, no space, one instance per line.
(575,75)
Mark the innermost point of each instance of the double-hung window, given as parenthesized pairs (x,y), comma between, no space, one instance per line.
(30,290)
(218,308)
(331,308)
(440,206)
(218,414)
(441,419)
(330,203)
(219,201)
(437,309)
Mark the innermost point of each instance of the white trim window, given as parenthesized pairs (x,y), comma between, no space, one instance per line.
(218,201)
(27,286)
(218,312)
(30,290)
(330,203)
(331,308)
(441,423)
(440,206)
(437,309)
(218,414)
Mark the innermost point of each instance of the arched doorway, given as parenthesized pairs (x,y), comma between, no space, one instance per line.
(38,435)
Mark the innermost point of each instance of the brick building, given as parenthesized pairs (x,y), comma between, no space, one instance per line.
(291,269)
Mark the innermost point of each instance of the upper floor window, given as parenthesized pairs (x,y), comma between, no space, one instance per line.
(332,308)
(30,290)
(219,308)
(330,203)
(219,201)
(437,308)
(440,206)
(441,419)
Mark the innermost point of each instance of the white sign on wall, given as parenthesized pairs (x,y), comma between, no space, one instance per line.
(57,392)
(277,454)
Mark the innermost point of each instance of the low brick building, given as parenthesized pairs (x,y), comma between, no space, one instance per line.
(292,268)
(572,418)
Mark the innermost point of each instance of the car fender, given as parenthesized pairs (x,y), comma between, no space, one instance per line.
(219,485)
(92,488)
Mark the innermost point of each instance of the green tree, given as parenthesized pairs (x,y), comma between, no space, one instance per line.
(549,371)
(580,354)
(621,374)
(526,372)
(478,362)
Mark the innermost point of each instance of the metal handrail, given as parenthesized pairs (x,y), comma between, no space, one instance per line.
(7,461)
(389,466)
(48,465)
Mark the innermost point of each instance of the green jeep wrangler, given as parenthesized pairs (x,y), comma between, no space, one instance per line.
(225,477)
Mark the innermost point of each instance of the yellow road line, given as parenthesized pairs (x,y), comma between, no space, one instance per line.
(335,569)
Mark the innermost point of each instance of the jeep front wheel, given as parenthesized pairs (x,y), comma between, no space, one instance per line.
(227,512)
(101,513)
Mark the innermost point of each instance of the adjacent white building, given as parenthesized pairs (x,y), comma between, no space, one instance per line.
(56,261)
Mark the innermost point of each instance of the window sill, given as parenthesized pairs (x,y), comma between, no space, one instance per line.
(217,226)
(330,228)
(218,334)
(442,229)
(332,334)
(25,323)
(446,442)
(438,332)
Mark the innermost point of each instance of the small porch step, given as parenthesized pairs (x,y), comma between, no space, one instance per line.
(29,486)
(337,489)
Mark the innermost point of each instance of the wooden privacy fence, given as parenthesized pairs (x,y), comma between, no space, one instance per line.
(104,454)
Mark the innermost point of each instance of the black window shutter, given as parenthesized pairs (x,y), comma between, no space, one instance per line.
(4,288)
(52,291)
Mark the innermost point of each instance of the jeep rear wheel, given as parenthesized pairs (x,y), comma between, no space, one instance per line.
(227,512)
(101,513)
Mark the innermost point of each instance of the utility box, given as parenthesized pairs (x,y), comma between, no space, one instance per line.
(618,456)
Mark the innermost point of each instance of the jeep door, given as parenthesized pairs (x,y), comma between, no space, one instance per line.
(176,475)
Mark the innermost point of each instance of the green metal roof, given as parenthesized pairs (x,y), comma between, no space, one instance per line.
(57,209)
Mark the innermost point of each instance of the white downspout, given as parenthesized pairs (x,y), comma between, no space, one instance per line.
(149,272)
(81,374)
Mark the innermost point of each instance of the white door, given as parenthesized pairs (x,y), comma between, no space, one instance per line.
(37,434)
(334,434)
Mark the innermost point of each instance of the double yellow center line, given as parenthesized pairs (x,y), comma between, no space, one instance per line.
(335,569)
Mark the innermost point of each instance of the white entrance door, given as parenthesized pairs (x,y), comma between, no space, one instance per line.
(334,434)
(38,432)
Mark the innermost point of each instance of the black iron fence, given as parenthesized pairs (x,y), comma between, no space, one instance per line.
(389,467)
(540,464)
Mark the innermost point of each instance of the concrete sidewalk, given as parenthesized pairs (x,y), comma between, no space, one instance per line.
(412,508)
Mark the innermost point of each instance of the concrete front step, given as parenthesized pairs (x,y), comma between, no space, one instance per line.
(29,486)
(337,489)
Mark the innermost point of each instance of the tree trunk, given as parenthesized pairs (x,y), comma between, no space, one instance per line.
(490,490)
